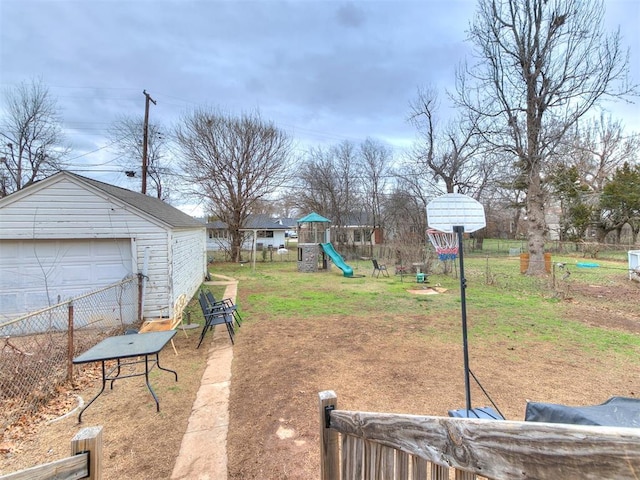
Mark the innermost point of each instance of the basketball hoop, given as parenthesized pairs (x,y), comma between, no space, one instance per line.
(445,243)
(455,214)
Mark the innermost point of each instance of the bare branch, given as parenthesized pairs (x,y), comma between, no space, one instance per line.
(31,135)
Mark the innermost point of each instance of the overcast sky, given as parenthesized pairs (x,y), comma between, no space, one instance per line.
(324,71)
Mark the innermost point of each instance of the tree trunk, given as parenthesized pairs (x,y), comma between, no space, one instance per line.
(236,247)
(536,225)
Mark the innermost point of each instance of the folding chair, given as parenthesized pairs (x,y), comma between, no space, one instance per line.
(226,303)
(377,268)
(214,315)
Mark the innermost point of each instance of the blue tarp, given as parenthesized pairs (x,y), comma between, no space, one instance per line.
(615,412)
(484,413)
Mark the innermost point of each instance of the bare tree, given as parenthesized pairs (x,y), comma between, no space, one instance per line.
(599,147)
(376,161)
(413,179)
(126,135)
(286,205)
(233,163)
(32,142)
(348,166)
(407,223)
(319,187)
(328,181)
(543,64)
(449,154)
(590,155)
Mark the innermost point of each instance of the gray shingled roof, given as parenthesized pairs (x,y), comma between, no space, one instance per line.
(263,222)
(254,222)
(217,225)
(149,205)
(288,222)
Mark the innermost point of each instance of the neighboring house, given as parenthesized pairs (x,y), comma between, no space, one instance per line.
(268,233)
(292,226)
(357,229)
(67,234)
(217,236)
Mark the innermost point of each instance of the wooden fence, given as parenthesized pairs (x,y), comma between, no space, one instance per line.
(85,461)
(380,446)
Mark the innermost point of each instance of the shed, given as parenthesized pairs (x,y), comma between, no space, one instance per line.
(68,234)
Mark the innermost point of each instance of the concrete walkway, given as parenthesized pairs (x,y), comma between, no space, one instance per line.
(203,452)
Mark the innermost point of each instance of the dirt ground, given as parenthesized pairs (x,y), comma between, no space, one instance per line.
(389,364)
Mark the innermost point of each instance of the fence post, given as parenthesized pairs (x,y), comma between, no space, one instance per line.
(90,440)
(329,455)
(70,343)
(140,295)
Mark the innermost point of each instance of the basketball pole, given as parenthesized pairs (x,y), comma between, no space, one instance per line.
(459,230)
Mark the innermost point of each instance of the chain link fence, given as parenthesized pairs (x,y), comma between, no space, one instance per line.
(36,350)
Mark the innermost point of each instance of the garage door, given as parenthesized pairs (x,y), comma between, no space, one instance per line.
(37,273)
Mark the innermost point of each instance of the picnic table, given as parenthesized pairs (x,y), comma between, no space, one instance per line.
(127,350)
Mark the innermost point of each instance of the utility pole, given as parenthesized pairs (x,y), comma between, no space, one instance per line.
(145,139)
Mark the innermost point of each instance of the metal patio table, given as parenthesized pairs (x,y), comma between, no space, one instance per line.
(128,348)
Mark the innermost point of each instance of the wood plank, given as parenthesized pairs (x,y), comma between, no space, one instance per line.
(70,468)
(462,475)
(439,472)
(346,451)
(402,465)
(503,449)
(352,457)
(369,460)
(387,463)
(418,468)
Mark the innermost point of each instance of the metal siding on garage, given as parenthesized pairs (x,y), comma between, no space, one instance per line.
(37,273)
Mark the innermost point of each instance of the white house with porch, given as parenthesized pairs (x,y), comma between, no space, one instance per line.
(267,232)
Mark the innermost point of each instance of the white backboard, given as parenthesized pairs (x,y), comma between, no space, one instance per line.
(455,210)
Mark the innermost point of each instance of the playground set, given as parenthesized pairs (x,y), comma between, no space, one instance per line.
(315,251)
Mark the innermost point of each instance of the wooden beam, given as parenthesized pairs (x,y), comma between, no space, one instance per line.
(503,449)
(329,452)
(90,440)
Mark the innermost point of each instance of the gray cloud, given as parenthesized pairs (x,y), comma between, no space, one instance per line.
(323,70)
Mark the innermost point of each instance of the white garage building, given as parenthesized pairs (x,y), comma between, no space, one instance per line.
(67,235)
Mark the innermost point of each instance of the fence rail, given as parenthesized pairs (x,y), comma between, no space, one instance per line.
(85,461)
(365,445)
(36,350)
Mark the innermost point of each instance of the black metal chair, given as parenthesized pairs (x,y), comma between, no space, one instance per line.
(226,303)
(377,268)
(215,315)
